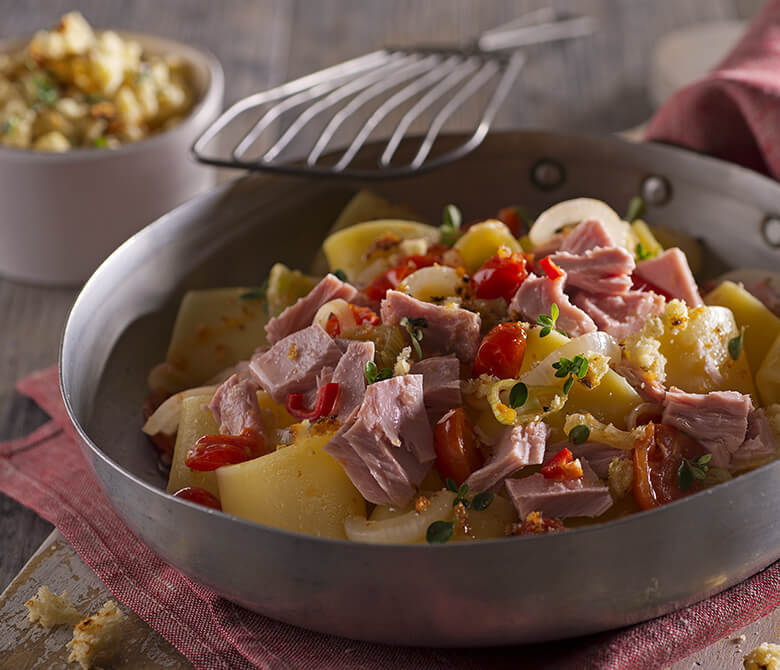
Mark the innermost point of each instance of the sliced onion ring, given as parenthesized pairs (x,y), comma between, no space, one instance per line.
(543,373)
(435,281)
(549,222)
(404,529)
(166,417)
(341,310)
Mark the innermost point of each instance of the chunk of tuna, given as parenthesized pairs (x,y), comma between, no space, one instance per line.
(537,294)
(293,363)
(585,496)
(669,271)
(644,383)
(441,383)
(590,234)
(759,445)
(517,447)
(235,407)
(717,420)
(604,270)
(386,446)
(350,375)
(620,315)
(301,314)
(448,329)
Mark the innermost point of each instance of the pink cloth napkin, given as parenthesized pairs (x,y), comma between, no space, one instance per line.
(47,472)
(733,112)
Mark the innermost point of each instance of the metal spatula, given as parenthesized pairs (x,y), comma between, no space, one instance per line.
(398,86)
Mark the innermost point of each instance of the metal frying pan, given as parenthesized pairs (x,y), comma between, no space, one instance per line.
(515,590)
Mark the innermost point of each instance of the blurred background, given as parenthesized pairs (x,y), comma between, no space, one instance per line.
(598,84)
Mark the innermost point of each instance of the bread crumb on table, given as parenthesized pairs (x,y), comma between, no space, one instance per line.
(49,609)
(96,639)
(764,657)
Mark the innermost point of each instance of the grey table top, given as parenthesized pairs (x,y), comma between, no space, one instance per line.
(594,85)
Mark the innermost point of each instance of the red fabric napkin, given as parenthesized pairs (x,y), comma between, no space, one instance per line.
(47,472)
(734,112)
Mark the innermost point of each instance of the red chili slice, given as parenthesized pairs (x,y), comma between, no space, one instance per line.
(323,406)
(562,465)
(198,495)
(550,268)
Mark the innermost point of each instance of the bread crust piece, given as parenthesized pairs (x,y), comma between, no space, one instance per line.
(49,609)
(96,639)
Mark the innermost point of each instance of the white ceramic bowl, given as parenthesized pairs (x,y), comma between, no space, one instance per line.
(62,214)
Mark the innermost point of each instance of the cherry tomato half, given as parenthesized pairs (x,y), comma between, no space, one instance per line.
(198,495)
(499,277)
(657,457)
(213,451)
(457,450)
(501,351)
(390,279)
(363,315)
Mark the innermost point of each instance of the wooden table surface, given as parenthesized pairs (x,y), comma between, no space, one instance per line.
(593,85)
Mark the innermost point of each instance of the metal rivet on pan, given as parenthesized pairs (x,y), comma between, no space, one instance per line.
(656,190)
(547,174)
(770,229)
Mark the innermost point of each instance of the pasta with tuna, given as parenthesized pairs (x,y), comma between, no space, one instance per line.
(467,381)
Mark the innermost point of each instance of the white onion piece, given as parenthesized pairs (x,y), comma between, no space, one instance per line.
(404,529)
(341,310)
(572,212)
(642,411)
(166,417)
(435,281)
(598,342)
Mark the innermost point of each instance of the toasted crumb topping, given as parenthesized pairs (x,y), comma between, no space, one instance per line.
(50,609)
(764,657)
(97,638)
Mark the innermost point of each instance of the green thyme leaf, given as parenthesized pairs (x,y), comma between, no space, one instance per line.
(414,327)
(636,208)
(258,293)
(371,372)
(735,344)
(340,274)
(449,230)
(684,476)
(641,253)
(439,532)
(518,395)
(579,434)
(100,142)
(704,459)
(548,322)
(482,501)
(567,385)
(582,369)
(451,485)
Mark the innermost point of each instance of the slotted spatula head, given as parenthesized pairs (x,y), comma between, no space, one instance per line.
(391,93)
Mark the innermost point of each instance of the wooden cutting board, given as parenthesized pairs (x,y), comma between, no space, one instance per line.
(25,646)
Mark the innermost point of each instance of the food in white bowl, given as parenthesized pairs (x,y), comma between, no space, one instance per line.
(74,87)
(113,116)
(462,383)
